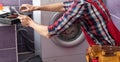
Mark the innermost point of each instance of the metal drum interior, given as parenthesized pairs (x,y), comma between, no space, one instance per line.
(71,37)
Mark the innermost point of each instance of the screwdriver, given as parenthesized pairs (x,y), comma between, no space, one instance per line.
(15,10)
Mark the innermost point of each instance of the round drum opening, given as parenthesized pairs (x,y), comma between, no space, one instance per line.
(71,33)
(72,36)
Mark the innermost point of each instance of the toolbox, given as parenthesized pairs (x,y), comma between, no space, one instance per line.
(104,53)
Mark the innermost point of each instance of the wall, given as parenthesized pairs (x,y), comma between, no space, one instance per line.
(14,2)
(8,52)
(114,7)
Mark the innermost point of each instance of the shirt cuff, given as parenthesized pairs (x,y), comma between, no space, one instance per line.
(51,30)
(67,4)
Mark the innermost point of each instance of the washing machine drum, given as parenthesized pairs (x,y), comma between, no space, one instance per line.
(71,37)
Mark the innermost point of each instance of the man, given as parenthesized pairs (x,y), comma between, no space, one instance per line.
(94,18)
(42,29)
(91,20)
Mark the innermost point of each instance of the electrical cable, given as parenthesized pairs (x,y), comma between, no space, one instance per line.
(33,58)
(115,16)
(29,43)
(24,34)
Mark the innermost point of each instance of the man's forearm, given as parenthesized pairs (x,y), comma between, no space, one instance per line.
(57,7)
(41,29)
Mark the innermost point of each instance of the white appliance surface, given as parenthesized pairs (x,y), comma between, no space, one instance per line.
(52,52)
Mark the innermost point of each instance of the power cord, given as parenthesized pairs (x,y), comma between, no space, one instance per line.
(23,32)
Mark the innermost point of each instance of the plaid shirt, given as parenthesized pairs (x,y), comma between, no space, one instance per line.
(91,20)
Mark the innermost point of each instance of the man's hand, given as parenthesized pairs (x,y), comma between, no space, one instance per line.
(26,8)
(25,20)
(41,29)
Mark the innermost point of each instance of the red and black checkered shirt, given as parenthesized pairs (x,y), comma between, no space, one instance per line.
(91,20)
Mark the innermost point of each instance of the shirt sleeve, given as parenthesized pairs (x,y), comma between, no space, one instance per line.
(74,12)
(67,4)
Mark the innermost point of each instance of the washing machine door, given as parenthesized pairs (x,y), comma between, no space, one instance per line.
(71,37)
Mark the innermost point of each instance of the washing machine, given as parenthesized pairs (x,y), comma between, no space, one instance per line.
(69,46)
